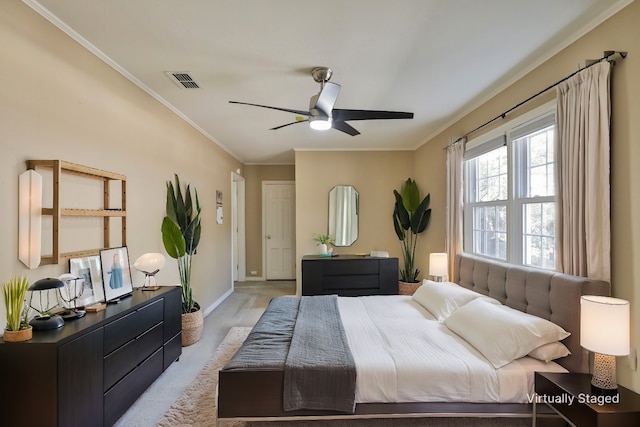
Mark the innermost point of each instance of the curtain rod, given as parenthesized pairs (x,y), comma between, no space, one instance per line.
(590,62)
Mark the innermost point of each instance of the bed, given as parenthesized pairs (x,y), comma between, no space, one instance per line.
(266,385)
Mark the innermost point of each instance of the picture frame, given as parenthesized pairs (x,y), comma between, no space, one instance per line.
(116,273)
(88,269)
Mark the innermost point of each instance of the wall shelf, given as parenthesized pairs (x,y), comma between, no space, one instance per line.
(60,167)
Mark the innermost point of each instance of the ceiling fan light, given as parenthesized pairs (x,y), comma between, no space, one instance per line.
(320,123)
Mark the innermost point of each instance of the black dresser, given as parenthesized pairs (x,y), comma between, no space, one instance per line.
(349,275)
(89,372)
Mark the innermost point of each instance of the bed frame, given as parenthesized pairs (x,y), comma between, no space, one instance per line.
(257,395)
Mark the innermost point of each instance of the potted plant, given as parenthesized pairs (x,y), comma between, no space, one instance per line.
(323,240)
(17,329)
(181,231)
(411,217)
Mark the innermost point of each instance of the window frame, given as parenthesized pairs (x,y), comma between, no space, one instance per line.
(516,182)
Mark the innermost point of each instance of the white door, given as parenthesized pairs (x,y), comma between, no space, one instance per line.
(279,230)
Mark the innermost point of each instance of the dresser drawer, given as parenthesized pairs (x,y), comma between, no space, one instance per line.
(350,282)
(123,330)
(123,360)
(122,395)
(350,267)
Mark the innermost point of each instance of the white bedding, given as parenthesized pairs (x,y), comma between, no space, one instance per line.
(403,354)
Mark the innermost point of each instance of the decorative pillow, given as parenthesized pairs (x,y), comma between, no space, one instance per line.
(501,333)
(548,352)
(443,298)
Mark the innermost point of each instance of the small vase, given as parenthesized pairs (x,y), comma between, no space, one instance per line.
(322,249)
(18,336)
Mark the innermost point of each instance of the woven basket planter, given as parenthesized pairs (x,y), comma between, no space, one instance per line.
(405,288)
(18,336)
(192,324)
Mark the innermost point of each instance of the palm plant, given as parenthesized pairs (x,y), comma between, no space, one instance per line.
(14,292)
(181,230)
(410,218)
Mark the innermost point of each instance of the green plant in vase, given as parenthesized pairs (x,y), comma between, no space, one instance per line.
(323,240)
(181,230)
(14,292)
(411,216)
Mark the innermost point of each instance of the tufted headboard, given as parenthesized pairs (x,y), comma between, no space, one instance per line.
(547,294)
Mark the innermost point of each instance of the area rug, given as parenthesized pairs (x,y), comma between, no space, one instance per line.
(197,405)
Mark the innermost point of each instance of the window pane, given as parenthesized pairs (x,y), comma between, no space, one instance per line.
(491,176)
(489,231)
(539,235)
(540,155)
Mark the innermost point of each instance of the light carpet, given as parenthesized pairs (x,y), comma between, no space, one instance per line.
(197,405)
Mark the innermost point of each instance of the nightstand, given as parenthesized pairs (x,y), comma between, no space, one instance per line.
(570,396)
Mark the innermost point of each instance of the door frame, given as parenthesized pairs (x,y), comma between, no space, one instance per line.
(238,236)
(264,222)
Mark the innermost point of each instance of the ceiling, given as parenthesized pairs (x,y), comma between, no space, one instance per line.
(435,58)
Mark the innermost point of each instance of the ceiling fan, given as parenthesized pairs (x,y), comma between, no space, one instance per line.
(322,115)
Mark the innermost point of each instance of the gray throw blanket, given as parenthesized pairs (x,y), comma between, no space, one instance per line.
(267,345)
(320,372)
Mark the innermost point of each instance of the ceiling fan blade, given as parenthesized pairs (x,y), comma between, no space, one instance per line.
(327,98)
(345,115)
(288,124)
(304,113)
(344,127)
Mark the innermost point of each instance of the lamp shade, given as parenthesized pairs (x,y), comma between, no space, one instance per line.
(149,263)
(604,325)
(438,264)
(29,218)
(45,284)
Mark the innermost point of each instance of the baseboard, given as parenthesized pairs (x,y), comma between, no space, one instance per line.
(217,302)
(254,279)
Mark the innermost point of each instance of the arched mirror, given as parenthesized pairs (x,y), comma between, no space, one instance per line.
(343,214)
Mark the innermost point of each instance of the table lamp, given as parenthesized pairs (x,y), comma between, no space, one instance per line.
(438,266)
(45,320)
(149,264)
(604,330)
(73,290)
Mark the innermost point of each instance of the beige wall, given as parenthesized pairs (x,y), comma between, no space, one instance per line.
(254,175)
(621,32)
(374,174)
(59,101)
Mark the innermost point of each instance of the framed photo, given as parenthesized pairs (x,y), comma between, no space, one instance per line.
(116,273)
(88,269)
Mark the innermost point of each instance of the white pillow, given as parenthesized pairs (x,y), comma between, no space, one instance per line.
(501,333)
(548,352)
(443,298)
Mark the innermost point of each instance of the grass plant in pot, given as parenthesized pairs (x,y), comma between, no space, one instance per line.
(411,216)
(181,231)
(18,328)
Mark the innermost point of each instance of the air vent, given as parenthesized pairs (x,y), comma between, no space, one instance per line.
(183,79)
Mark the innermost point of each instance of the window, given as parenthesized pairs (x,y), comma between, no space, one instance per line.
(510,195)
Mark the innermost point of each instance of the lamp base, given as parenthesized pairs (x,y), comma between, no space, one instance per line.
(604,381)
(46,323)
(150,288)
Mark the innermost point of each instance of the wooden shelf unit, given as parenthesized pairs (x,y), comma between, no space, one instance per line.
(60,167)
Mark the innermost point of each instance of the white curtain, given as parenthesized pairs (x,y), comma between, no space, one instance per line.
(583,208)
(454,215)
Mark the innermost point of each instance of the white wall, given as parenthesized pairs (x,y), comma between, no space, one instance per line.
(59,101)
